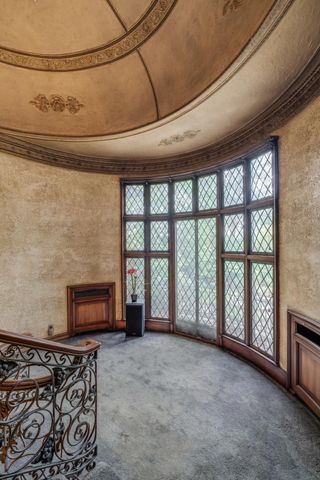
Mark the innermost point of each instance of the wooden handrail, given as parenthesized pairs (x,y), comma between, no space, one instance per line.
(85,348)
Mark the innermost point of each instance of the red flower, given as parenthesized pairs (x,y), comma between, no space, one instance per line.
(132,271)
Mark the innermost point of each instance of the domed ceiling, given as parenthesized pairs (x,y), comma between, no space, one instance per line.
(118,85)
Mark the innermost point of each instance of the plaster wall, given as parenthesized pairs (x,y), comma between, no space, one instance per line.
(57,228)
(60,227)
(299,159)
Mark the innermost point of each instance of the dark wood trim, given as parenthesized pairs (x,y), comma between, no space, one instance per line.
(307,367)
(86,347)
(120,325)
(220,274)
(276,245)
(159,325)
(245,257)
(257,359)
(71,289)
(193,338)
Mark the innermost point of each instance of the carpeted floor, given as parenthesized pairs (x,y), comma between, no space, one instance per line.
(173,409)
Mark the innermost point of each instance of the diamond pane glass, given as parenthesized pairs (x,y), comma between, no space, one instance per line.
(262,230)
(138,264)
(135,236)
(234,299)
(134,199)
(262,307)
(207,273)
(159,199)
(159,236)
(233,186)
(185,273)
(183,196)
(159,288)
(207,191)
(261,176)
(234,233)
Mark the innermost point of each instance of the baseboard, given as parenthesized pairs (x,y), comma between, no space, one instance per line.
(159,326)
(59,336)
(255,358)
(120,325)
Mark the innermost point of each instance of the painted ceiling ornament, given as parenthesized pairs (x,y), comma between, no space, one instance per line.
(179,137)
(56,103)
(73,104)
(114,50)
(231,5)
(41,102)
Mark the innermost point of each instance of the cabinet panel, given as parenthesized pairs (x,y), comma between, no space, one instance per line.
(91,307)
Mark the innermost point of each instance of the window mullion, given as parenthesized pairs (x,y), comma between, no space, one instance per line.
(197,270)
(247,242)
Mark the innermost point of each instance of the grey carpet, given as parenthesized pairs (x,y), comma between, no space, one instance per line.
(173,409)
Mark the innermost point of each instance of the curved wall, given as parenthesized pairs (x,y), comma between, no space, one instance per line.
(57,228)
(60,227)
(299,164)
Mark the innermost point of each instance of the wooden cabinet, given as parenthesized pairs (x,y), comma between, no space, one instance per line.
(91,307)
(304,359)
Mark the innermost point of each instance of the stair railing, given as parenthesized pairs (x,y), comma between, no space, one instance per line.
(48,408)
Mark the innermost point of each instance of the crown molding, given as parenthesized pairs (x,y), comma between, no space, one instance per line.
(106,53)
(294,99)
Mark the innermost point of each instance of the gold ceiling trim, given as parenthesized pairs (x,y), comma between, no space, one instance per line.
(108,53)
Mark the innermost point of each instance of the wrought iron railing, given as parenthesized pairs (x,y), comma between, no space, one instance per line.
(48,410)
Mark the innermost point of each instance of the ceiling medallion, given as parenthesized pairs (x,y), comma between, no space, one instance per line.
(56,103)
(108,53)
(178,138)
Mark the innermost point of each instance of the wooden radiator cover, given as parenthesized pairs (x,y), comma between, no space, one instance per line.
(91,307)
(304,359)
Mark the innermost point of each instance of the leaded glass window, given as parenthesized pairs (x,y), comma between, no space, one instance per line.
(137,264)
(135,236)
(234,233)
(234,299)
(183,196)
(178,226)
(207,192)
(159,236)
(262,306)
(159,288)
(262,230)
(185,271)
(134,200)
(207,276)
(159,198)
(196,277)
(233,186)
(261,176)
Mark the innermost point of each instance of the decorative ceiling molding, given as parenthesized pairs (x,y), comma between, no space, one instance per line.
(178,138)
(301,92)
(107,53)
(269,24)
(56,103)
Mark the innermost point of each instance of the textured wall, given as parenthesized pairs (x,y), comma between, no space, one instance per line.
(57,228)
(60,227)
(299,218)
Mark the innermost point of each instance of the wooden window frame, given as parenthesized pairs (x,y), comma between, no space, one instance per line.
(245,348)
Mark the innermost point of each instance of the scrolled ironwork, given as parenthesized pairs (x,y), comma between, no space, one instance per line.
(48,411)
